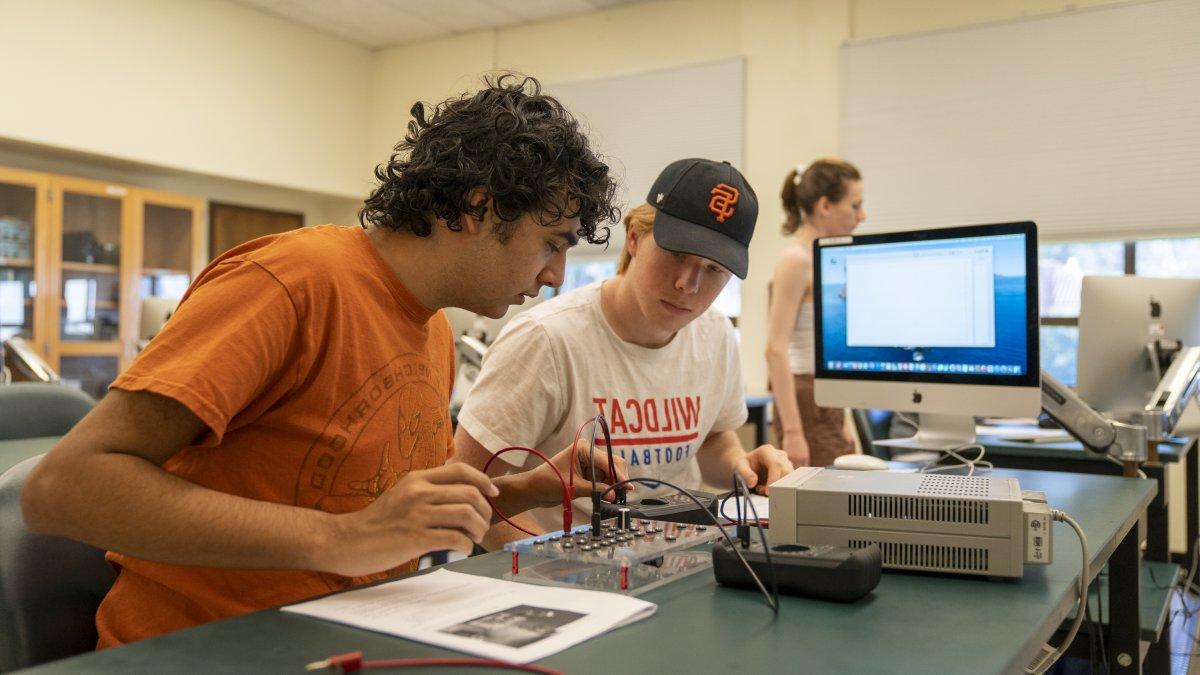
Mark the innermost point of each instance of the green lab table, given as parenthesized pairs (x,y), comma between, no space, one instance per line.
(1070,456)
(911,623)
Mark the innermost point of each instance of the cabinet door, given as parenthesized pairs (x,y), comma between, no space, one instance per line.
(22,248)
(169,256)
(90,237)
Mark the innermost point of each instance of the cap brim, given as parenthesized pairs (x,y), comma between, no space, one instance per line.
(680,236)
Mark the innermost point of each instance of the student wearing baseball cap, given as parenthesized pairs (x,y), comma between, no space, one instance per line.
(644,348)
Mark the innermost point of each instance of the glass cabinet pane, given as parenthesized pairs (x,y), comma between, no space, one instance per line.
(92,374)
(91,257)
(17,289)
(166,251)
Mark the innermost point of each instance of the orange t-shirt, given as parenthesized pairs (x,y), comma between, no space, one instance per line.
(322,381)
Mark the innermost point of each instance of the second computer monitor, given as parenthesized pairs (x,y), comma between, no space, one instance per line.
(941,322)
(1118,317)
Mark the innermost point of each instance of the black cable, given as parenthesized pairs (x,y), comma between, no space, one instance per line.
(1096,630)
(1154,580)
(762,536)
(724,501)
(772,601)
(600,421)
(1100,618)
(1091,629)
(611,464)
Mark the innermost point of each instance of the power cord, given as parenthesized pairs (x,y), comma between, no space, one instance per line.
(969,463)
(1049,655)
(772,598)
(352,662)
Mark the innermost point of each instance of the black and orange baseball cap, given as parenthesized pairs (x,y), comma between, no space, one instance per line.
(705,208)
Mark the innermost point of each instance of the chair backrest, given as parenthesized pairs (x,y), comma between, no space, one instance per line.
(50,587)
(34,409)
(873,425)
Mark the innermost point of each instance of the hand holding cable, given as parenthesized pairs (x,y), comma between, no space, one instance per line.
(545,485)
(430,510)
(762,466)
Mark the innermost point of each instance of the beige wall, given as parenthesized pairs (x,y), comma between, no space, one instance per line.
(791,48)
(211,87)
(205,86)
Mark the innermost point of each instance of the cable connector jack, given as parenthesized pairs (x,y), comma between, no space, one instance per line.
(743,534)
(596,513)
(350,662)
(568,518)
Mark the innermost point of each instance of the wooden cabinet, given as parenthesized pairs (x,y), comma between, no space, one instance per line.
(23,247)
(96,251)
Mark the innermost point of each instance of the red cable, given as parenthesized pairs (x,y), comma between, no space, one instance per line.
(574,449)
(353,662)
(566,492)
(468,663)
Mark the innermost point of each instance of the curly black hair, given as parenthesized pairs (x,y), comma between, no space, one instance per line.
(521,146)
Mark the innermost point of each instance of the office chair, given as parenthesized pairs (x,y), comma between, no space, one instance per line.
(872,425)
(50,587)
(34,409)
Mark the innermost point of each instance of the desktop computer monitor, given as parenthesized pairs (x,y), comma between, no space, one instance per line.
(1118,318)
(940,322)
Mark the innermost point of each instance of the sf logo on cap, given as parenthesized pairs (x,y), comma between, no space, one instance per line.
(723,198)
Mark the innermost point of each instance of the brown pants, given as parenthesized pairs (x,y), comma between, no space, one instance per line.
(823,427)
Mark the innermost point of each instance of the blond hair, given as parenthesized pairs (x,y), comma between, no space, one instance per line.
(640,221)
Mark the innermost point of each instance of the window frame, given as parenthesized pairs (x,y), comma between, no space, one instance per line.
(1129,270)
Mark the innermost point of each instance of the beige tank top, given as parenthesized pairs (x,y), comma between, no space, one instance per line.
(800,347)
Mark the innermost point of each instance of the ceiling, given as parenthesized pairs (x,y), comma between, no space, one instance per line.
(383,23)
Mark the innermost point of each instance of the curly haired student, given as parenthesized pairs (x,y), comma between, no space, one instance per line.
(286,435)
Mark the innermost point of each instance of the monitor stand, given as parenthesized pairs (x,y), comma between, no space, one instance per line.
(938,433)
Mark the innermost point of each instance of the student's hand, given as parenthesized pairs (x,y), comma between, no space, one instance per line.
(431,510)
(796,448)
(544,486)
(762,467)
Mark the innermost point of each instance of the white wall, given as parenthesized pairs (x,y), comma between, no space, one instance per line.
(205,86)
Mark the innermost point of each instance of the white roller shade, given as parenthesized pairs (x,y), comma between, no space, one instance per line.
(642,122)
(1087,123)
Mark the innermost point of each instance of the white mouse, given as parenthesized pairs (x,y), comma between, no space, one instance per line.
(856,462)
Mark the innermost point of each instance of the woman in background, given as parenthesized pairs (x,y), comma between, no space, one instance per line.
(824,199)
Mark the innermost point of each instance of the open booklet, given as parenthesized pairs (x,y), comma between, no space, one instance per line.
(487,617)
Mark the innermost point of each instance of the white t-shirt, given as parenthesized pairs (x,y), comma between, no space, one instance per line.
(558,364)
